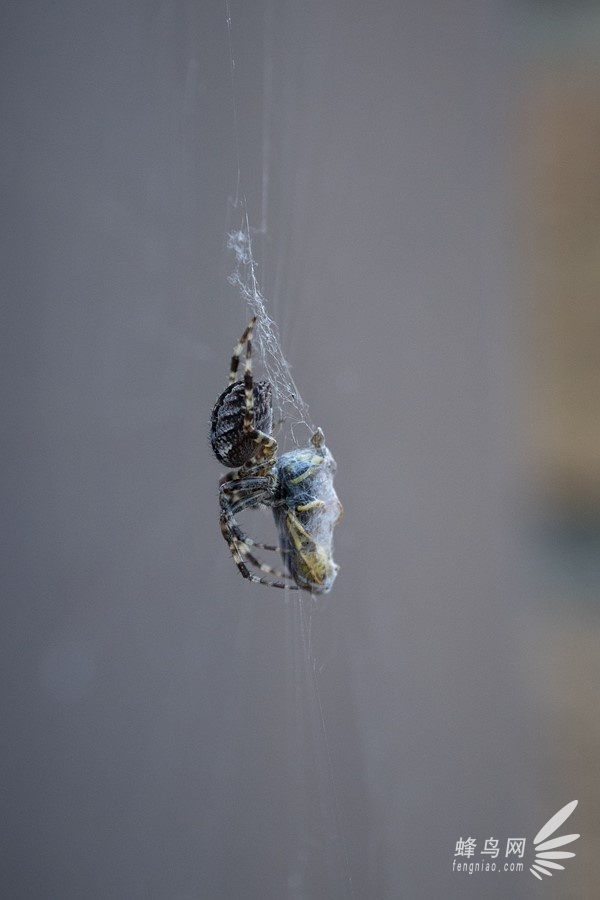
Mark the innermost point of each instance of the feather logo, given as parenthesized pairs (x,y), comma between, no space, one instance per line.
(546,853)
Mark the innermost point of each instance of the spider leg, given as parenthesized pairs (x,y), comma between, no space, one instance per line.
(238,551)
(246,338)
(234,497)
(248,382)
(267,445)
(260,470)
(244,494)
(243,538)
(269,570)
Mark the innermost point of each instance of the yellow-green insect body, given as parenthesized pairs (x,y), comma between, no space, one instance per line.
(306,510)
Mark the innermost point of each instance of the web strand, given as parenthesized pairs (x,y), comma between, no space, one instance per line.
(289,407)
(234,105)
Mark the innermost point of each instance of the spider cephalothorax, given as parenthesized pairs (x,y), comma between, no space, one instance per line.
(298,486)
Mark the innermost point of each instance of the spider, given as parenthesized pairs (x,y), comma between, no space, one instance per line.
(297,486)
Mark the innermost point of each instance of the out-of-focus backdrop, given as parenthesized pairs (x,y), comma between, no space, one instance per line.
(428,177)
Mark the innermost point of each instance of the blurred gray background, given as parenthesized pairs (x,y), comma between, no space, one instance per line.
(170,731)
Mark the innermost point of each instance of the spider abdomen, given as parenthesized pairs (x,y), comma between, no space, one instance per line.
(231,443)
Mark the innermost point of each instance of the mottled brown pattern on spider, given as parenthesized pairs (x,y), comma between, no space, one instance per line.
(234,444)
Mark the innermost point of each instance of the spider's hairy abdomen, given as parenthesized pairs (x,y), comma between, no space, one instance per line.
(231,444)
